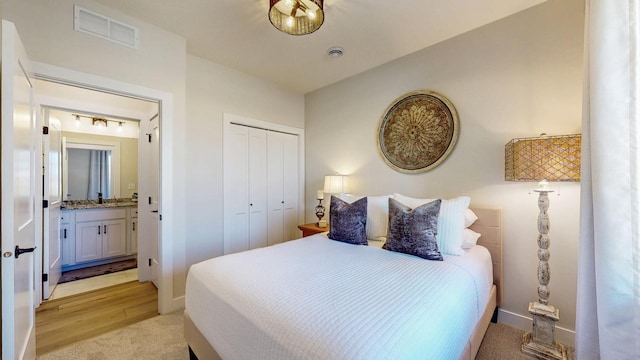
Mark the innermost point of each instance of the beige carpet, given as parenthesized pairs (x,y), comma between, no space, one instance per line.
(162,338)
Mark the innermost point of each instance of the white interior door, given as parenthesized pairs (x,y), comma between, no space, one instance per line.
(154,173)
(148,199)
(19,195)
(52,168)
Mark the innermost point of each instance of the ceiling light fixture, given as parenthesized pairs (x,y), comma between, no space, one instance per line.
(296,17)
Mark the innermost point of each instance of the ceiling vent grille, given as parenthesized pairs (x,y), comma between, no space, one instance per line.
(101,26)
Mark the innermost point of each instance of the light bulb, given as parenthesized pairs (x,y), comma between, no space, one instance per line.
(311,15)
(77,120)
(120,127)
(290,21)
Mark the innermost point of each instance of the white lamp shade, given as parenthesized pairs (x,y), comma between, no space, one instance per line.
(334,184)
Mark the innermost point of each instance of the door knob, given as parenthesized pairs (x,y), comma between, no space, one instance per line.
(22,251)
(154,211)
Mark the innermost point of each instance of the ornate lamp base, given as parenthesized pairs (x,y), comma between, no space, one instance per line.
(541,343)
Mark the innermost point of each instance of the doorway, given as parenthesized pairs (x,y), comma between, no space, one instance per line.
(111,127)
(167,213)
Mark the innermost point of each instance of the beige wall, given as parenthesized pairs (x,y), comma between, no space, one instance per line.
(128,157)
(518,77)
(211,91)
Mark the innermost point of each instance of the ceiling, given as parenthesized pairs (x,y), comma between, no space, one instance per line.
(238,34)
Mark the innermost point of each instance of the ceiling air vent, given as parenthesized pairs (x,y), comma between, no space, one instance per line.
(98,25)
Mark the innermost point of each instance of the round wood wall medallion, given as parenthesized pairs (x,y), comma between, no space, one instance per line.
(418,131)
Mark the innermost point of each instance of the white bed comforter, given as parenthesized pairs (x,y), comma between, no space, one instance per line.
(316,298)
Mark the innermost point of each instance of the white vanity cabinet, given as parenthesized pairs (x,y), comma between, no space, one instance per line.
(100,234)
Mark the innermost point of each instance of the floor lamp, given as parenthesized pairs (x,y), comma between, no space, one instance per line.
(545,158)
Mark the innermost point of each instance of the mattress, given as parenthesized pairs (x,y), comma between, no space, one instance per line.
(315,298)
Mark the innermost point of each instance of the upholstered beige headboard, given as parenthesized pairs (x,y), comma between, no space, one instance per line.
(489,224)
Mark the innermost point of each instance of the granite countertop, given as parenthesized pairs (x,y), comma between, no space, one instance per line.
(93,204)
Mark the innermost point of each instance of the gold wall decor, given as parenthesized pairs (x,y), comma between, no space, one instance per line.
(418,131)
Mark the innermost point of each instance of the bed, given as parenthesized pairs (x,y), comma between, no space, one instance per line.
(310,299)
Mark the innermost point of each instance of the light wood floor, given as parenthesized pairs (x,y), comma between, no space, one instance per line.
(93,283)
(63,321)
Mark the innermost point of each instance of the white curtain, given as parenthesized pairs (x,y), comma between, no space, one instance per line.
(608,305)
(99,174)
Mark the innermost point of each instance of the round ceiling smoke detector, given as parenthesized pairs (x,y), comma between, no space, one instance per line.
(335,52)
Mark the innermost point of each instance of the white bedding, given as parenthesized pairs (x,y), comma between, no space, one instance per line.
(316,298)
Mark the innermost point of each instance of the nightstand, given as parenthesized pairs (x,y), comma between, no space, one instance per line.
(312,228)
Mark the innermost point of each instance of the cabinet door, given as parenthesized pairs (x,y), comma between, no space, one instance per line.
(67,256)
(236,185)
(275,202)
(257,188)
(291,190)
(114,238)
(88,241)
(133,236)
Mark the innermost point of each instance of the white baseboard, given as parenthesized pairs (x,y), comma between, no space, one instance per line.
(565,336)
(176,304)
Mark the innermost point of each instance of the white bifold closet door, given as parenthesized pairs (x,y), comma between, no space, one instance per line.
(236,185)
(261,188)
(282,179)
(257,188)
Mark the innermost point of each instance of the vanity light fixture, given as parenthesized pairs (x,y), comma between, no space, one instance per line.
(99,122)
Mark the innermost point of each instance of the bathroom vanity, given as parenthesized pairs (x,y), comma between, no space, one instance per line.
(94,233)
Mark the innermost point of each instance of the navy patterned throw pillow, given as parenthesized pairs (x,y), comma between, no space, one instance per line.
(348,221)
(414,231)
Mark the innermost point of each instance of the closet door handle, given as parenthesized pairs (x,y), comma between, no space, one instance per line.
(105,229)
(99,229)
(65,234)
(134,226)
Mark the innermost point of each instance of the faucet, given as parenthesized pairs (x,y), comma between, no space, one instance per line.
(99,198)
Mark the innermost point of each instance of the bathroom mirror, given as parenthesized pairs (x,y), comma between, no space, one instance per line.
(90,169)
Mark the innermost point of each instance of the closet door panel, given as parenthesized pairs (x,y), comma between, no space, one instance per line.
(275,202)
(257,188)
(236,185)
(290,180)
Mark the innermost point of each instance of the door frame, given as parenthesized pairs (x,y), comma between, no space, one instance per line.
(166,301)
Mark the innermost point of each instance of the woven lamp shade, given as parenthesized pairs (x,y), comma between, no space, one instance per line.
(551,158)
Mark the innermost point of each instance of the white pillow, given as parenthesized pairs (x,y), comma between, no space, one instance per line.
(469,218)
(451,221)
(470,239)
(377,214)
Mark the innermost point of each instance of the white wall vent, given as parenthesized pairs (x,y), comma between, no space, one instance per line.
(98,25)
